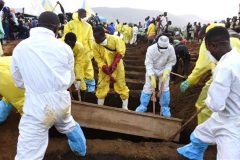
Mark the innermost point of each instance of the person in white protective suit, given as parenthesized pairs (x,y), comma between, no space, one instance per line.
(44,67)
(164,22)
(134,37)
(223,127)
(160,58)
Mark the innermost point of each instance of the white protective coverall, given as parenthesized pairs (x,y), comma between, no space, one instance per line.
(134,38)
(164,23)
(223,127)
(157,62)
(44,66)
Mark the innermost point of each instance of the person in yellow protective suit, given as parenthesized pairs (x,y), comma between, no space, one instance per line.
(203,65)
(78,51)
(108,53)
(125,32)
(83,31)
(151,32)
(118,27)
(12,96)
(130,32)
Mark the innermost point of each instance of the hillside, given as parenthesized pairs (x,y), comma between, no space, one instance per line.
(136,15)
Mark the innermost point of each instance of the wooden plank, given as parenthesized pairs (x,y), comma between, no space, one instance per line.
(122,121)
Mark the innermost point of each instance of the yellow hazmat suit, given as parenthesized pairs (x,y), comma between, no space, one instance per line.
(105,56)
(203,65)
(125,33)
(130,33)
(79,58)
(10,93)
(84,34)
(118,27)
(151,32)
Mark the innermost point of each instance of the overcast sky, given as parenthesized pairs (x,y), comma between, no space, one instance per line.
(206,9)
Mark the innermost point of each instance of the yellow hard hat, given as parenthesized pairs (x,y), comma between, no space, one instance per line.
(214,25)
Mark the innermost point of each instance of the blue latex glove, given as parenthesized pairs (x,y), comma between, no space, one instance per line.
(5,110)
(184,86)
(77,140)
(90,85)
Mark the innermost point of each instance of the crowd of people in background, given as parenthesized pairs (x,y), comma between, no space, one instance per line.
(193,31)
(17,26)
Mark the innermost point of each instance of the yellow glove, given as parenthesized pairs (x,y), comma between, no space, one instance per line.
(153,81)
(165,75)
(83,86)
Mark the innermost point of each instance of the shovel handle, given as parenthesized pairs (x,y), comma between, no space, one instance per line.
(154,100)
(178,75)
(79,95)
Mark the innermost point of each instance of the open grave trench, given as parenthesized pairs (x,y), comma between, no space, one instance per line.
(103,145)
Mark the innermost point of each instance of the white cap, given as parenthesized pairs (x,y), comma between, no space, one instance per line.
(163,42)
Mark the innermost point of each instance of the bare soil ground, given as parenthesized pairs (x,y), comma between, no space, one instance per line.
(113,146)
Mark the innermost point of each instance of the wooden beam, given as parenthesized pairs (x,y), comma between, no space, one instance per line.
(128,122)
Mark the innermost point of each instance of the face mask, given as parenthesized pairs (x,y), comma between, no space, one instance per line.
(161,50)
(84,19)
(104,43)
(212,59)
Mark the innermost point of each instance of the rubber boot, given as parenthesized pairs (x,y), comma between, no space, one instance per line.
(100,102)
(164,103)
(144,100)
(90,85)
(194,150)
(125,104)
(5,110)
(77,141)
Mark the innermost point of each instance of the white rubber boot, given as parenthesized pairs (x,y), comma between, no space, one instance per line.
(125,104)
(100,102)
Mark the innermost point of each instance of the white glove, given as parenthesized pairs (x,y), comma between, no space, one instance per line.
(77,85)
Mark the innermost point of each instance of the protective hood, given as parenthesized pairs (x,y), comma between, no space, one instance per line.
(75,16)
(163,43)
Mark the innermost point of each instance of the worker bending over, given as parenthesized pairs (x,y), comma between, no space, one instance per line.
(12,96)
(222,128)
(83,31)
(78,52)
(108,53)
(160,58)
(44,67)
(203,65)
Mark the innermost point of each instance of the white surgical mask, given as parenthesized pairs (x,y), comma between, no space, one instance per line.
(84,19)
(212,59)
(104,43)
